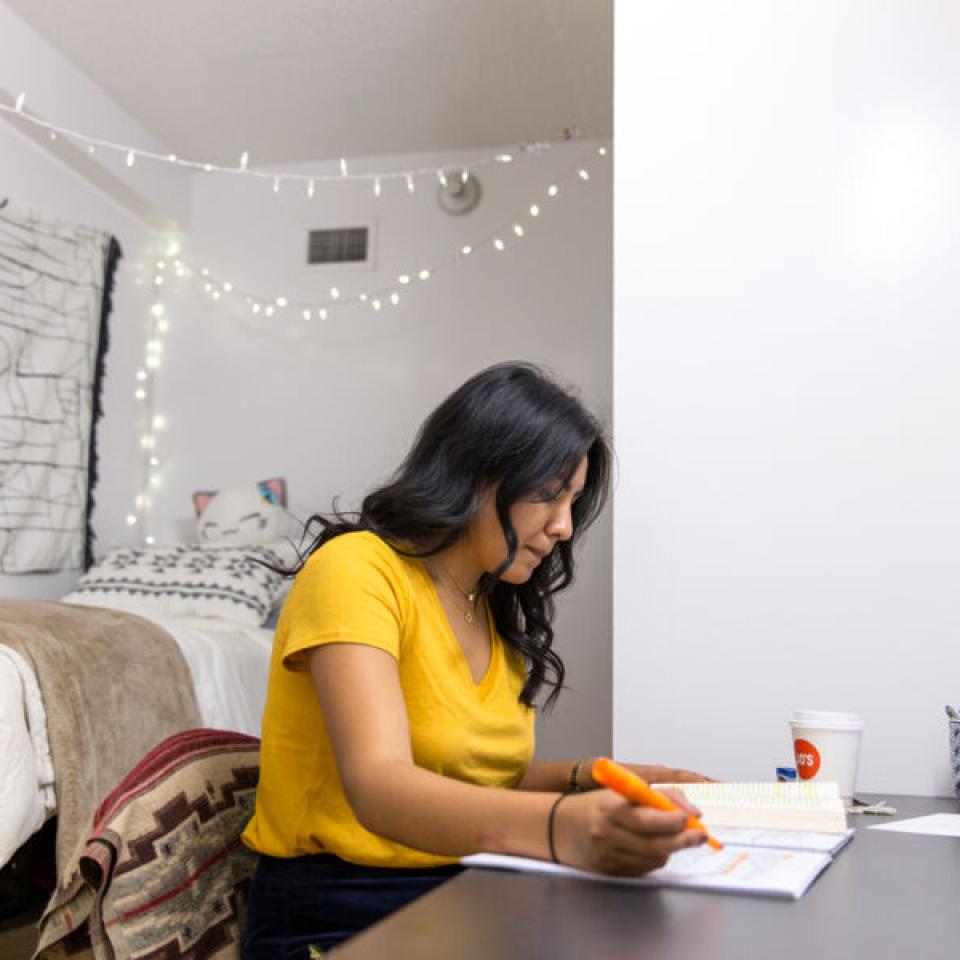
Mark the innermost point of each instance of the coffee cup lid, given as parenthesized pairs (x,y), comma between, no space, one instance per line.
(828,719)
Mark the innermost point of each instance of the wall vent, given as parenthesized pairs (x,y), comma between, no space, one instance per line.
(345,245)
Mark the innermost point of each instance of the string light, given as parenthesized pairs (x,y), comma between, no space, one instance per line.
(216,289)
(151,422)
(132,154)
(410,184)
(154,424)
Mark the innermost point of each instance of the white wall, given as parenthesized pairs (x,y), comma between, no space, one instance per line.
(34,176)
(333,405)
(786,396)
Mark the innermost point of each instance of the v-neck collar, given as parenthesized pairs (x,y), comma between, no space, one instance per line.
(481,688)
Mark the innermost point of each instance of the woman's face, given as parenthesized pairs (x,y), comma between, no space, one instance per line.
(539,522)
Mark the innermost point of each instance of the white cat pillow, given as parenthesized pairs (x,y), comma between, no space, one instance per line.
(246,515)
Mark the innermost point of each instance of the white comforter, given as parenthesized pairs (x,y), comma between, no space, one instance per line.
(229,663)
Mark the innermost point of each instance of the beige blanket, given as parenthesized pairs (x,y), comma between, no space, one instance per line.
(114,685)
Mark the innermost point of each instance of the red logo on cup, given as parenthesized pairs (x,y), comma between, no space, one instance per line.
(807,757)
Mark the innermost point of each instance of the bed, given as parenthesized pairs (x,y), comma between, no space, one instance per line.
(152,641)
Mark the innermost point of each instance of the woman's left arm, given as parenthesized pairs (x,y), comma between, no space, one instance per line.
(556,775)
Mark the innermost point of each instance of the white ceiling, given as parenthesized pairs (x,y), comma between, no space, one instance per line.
(296,80)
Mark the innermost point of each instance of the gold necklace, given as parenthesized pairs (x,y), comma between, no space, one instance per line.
(469,595)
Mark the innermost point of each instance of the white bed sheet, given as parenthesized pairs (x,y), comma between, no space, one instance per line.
(228,662)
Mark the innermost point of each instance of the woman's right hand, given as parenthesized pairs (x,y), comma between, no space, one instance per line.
(602,832)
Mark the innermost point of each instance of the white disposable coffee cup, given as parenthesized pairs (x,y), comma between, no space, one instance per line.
(826,746)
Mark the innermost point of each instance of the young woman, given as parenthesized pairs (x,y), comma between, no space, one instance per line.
(409,658)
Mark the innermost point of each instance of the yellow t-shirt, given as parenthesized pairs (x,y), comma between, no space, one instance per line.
(357,589)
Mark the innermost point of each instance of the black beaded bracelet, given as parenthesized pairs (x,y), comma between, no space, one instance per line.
(573,780)
(553,812)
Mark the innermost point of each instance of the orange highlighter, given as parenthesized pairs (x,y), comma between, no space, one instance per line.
(610,774)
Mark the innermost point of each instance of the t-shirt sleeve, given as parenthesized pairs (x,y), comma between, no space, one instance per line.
(349,591)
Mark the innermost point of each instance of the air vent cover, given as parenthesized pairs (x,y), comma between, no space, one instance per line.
(347,245)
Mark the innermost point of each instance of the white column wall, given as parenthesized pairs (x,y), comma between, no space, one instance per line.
(786,393)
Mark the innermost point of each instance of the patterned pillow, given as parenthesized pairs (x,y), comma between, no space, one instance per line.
(184,581)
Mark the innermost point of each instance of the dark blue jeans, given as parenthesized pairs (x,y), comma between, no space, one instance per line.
(321,900)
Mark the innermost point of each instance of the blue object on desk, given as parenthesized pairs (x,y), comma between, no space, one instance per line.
(786,774)
(953,720)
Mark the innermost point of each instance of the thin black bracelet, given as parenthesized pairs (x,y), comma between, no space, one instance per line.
(553,811)
(573,781)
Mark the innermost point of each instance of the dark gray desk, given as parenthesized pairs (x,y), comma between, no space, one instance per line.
(886,896)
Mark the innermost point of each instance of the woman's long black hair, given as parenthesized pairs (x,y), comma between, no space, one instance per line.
(512,428)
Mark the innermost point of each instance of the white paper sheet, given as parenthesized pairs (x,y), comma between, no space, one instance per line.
(936,825)
(751,870)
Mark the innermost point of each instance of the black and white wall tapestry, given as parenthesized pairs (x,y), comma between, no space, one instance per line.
(55,283)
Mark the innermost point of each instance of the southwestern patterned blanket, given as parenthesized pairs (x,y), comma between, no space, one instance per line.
(163,873)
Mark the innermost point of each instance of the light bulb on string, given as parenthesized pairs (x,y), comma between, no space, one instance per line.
(466,249)
(442,177)
(322,313)
(334,293)
(208,168)
(244,157)
(311,187)
(343,166)
(518,229)
(394,298)
(464,175)
(130,158)
(410,184)
(375,303)
(18,106)
(424,274)
(276,184)
(403,278)
(583,174)
(498,243)
(552,190)
(534,210)
(376,187)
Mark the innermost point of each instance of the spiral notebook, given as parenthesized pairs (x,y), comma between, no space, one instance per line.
(778,838)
